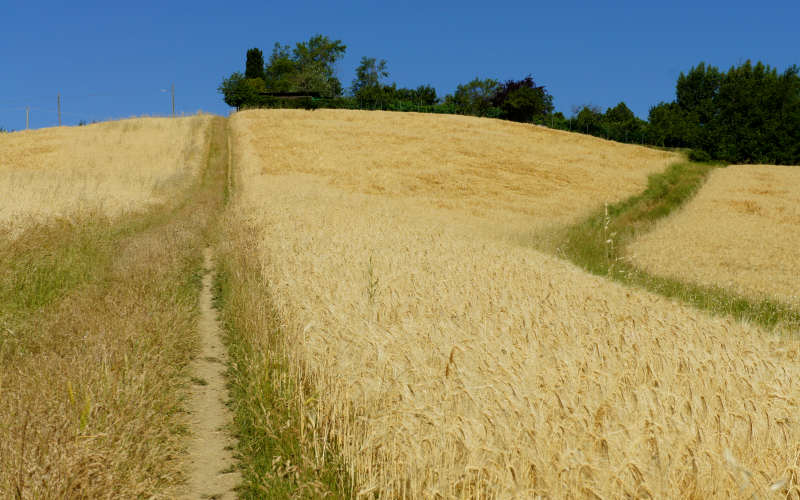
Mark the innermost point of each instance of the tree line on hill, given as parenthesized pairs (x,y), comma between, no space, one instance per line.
(749,114)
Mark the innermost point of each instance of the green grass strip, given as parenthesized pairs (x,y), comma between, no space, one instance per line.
(276,459)
(598,243)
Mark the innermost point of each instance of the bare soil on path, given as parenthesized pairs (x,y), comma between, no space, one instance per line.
(212,469)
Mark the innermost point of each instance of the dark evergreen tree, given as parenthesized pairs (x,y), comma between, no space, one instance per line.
(254,67)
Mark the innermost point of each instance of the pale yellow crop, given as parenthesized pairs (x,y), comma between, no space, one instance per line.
(110,168)
(452,363)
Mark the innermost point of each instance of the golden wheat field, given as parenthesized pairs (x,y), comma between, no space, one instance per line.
(486,170)
(109,168)
(450,362)
(741,232)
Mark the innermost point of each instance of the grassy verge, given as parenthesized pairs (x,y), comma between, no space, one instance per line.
(597,244)
(280,454)
(97,327)
(50,259)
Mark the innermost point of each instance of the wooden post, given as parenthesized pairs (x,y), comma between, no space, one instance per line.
(59,110)
(27,117)
(173,99)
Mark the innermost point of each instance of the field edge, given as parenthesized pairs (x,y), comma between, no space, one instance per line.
(280,454)
(597,244)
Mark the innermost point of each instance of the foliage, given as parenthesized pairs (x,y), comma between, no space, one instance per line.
(700,156)
(622,125)
(254,67)
(476,98)
(424,95)
(751,114)
(368,76)
(280,70)
(522,100)
(239,91)
(308,67)
(589,119)
(667,123)
(314,61)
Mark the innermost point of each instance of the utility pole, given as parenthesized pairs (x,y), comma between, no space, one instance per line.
(173,99)
(59,110)
(27,117)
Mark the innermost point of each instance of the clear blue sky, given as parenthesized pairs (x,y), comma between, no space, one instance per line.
(116,59)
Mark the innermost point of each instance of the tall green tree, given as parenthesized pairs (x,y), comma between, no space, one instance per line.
(749,114)
(589,120)
(254,66)
(696,95)
(369,74)
(315,60)
(667,125)
(280,73)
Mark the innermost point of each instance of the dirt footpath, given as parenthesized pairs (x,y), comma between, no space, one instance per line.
(212,469)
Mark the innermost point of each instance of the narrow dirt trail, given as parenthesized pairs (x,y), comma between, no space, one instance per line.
(211,469)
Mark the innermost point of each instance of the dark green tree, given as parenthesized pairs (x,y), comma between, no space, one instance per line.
(522,100)
(667,124)
(522,105)
(426,95)
(620,113)
(622,125)
(254,67)
(749,114)
(696,95)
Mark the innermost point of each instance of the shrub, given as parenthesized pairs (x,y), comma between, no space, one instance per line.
(699,155)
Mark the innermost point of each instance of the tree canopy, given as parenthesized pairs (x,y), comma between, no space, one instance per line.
(522,100)
(749,114)
(308,67)
(369,74)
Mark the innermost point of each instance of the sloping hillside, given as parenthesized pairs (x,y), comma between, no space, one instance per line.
(489,171)
(447,362)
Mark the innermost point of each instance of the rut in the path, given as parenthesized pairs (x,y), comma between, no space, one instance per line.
(212,471)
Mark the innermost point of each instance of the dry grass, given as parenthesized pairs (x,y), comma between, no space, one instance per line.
(110,168)
(448,362)
(742,232)
(92,376)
